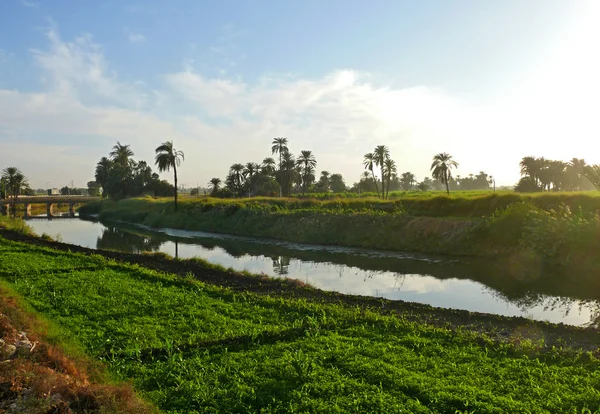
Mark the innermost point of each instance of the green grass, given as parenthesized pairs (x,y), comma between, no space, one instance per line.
(193,347)
(14,224)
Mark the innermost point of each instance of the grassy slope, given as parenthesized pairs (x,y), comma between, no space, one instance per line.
(53,375)
(196,347)
(460,225)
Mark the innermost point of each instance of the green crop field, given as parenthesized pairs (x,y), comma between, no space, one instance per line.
(194,347)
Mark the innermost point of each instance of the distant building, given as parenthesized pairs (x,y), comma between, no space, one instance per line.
(53,191)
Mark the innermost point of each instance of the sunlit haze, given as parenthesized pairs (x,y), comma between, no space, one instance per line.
(486,81)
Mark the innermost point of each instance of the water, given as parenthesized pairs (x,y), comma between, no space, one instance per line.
(474,285)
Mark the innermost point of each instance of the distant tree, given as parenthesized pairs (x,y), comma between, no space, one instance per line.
(322,185)
(286,173)
(121,154)
(93,188)
(102,172)
(160,188)
(168,157)
(236,179)
(441,168)
(381,154)
(407,181)
(423,186)
(592,173)
(389,169)
(527,185)
(308,163)
(369,163)
(337,183)
(214,184)
(15,182)
(268,167)
(279,146)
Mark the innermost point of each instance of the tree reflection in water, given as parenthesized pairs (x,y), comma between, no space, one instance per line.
(281,265)
(115,239)
(529,300)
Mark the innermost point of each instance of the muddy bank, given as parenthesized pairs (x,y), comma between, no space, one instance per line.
(506,329)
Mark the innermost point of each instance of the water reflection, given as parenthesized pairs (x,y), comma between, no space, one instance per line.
(476,285)
(281,265)
(115,239)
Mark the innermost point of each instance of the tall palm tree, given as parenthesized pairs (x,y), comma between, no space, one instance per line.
(214,184)
(168,157)
(441,168)
(237,174)
(121,154)
(389,166)
(381,153)
(251,170)
(14,181)
(102,170)
(308,163)
(286,172)
(369,163)
(279,146)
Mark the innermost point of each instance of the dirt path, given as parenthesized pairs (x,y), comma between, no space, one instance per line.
(501,328)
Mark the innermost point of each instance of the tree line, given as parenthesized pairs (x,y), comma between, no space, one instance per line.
(541,174)
(282,176)
(120,176)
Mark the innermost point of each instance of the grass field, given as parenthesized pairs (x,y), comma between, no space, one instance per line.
(465,204)
(194,347)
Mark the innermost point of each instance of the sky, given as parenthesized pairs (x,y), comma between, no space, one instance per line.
(487,81)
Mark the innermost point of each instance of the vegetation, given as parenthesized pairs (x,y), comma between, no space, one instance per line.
(13,183)
(168,157)
(193,347)
(441,168)
(540,174)
(41,373)
(120,176)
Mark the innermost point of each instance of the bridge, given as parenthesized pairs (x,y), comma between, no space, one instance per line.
(48,200)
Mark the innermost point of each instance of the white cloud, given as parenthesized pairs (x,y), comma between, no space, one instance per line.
(78,69)
(30,4)
(136,38)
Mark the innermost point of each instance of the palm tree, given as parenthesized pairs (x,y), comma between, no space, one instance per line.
(279,147)
(308,163)
(214,183)
(251,168)
(407,181)
(369,163)
(381,153)
(390,169)
(324,181)
(168,157)
(250,171)
(237,174)
(441,168)
(286,172)
(121,154)
(576,173)
(102,170)
(268,166)
(14,181)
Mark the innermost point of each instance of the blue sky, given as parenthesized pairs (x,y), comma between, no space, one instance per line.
(223,78)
